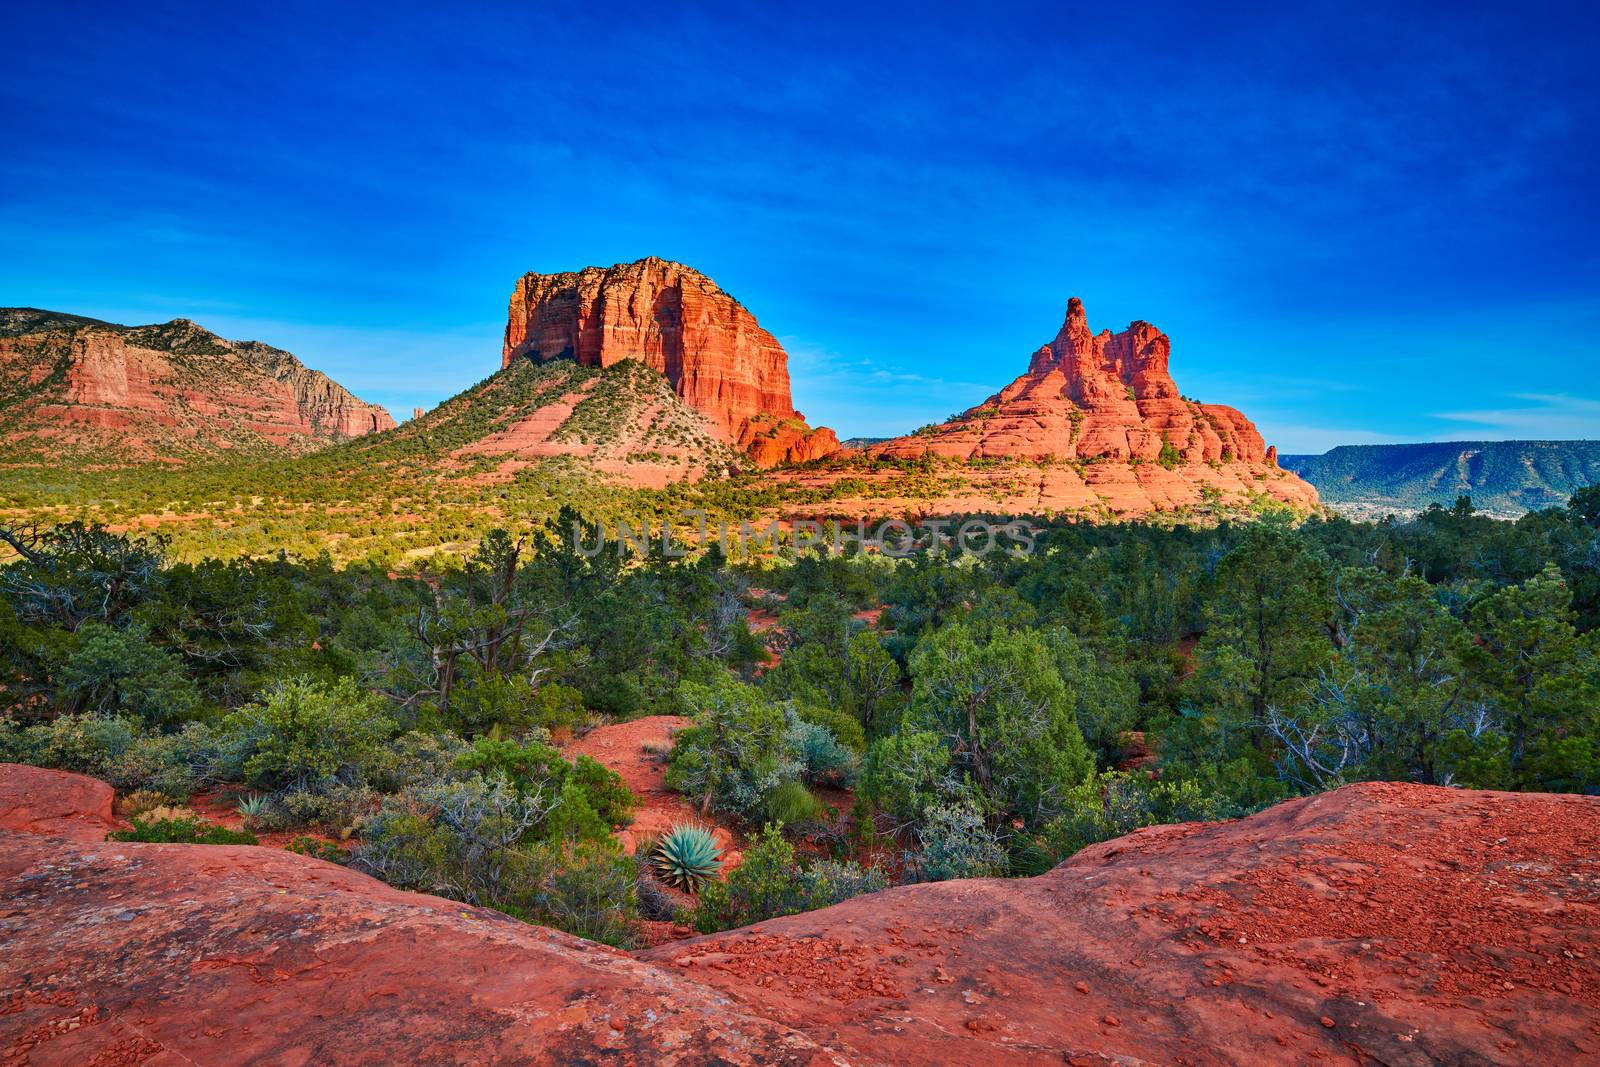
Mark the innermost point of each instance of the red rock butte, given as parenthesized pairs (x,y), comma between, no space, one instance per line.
(1090,396)
(677,321)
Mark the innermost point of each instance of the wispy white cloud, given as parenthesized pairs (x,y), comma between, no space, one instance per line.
(1553,416)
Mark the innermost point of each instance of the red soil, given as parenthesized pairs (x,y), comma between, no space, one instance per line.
(637,751)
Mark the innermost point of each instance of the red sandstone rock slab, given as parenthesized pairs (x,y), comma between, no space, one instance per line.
(39,801)
(1380,923)
(193,954)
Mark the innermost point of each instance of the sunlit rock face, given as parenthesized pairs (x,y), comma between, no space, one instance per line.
(676,320)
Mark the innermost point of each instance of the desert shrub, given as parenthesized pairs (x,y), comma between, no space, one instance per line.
(140,801)
(180,830)
(906,774)
(528,765)
(479,840)
(605,790)
(117,672)
(827,882)
(823,760)
(792,804)
(122,751)
(737,752)
(304,733)
(768,883)
(763,886)
(845,728)
(316,848)
(588,788)
(508,702)
(586,889)
(336,807)
(574,818)
(957,843)
(1116,803)
(557,706)
(414,757)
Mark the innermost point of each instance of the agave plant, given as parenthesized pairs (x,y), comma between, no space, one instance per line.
(687,857)
(252,805)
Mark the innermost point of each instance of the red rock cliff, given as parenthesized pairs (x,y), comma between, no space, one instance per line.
(164,391)
(676,320)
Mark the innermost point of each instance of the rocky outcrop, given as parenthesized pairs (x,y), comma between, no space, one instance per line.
(1380,923)
(677,321)
(1105,397)
(202,954)
(168,391)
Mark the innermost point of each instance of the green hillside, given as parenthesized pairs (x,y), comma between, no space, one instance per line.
(1502,477)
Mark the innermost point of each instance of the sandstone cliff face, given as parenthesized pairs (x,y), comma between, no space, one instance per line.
(168,391)
(676,320)
(1380,923)
(1106,397)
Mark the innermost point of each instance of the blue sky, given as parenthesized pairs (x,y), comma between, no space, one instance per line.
(1356,226)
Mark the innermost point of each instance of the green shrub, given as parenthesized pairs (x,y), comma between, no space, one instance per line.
(304,733)
(113,672)
(182,831)
(956,843)
(316,848)
(823,760)
(529,765)
(845,728)
(336,807)
(769,883)
(477,840)
(122,751)
(574,817)
(792,804)
(905,774)
(414,757)
(586,889)
(765,885)
(1117,803)
(827,882)
(596,794)
(607,793)
(737,752)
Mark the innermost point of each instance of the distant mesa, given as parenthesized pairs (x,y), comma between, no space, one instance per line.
(1505,479)
(172,391)
(676,321)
